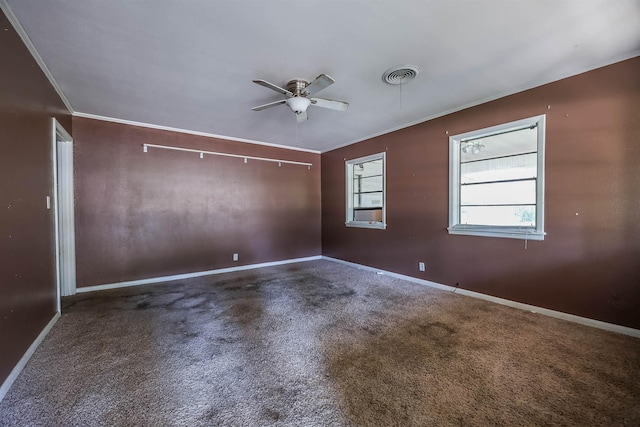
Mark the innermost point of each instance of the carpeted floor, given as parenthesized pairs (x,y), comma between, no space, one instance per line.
(319,344)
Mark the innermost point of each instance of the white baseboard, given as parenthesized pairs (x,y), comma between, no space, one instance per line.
(532,308)
(192,275)
(25,358)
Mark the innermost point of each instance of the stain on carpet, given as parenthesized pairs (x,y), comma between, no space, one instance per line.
(506,369)
(318,344)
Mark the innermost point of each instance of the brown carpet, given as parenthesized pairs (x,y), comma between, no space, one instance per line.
(319,344)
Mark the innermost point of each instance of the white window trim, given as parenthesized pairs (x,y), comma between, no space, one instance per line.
(526,233)
(349,187)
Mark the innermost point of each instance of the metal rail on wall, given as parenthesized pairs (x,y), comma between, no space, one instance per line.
(214,153)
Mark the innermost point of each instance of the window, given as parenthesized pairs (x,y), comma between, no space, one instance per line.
(496,181)
(366,191)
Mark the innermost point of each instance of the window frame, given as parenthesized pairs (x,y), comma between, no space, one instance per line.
(513,232)
(382,225)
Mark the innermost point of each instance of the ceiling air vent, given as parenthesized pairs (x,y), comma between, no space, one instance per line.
(400,75)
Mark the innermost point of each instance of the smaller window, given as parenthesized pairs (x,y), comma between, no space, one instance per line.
(496,183)
(365,178)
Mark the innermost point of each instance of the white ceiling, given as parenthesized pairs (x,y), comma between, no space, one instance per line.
(189,64)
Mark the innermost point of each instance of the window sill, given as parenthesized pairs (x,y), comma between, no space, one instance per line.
(366,224)
(508,233)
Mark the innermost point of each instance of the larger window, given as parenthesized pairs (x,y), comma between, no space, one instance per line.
(496,182)
(365,178)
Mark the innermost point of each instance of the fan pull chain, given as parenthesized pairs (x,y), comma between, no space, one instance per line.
(401,95)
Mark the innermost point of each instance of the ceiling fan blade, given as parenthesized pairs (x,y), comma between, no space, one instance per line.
(274,87)
(329,103)
(302,116)
(321,82)
(271,104)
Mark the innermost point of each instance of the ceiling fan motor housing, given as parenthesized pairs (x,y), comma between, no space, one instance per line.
(296,86)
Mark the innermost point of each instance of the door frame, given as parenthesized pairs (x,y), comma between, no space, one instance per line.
(63,210)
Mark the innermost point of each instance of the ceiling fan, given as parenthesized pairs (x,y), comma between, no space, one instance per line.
(299,96)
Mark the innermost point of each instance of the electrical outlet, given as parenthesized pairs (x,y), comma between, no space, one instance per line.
(421,266)
(235,257)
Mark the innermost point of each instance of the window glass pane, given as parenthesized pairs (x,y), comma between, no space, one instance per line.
(368,215)
(504,168)
(500,193)
(523,216)
(500,145)
(372,183)
(367,200)
(365,169)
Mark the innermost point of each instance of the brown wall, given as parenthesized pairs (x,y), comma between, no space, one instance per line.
(589,262)
(27,274)
(141,215)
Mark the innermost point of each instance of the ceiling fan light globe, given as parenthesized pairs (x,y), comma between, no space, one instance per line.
(298,104)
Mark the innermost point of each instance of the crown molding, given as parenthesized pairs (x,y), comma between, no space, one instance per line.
(488,99)
(189,132)
(32,49)
(4,6)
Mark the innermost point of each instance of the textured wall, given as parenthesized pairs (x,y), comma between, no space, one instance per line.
(27,274)
(142,215)
(589,262)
